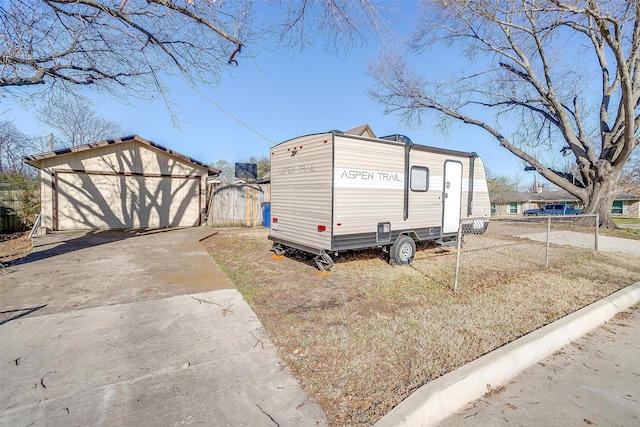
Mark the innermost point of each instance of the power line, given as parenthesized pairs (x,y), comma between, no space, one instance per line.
(227,112)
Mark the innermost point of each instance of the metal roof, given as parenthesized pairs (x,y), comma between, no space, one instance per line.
(35,159)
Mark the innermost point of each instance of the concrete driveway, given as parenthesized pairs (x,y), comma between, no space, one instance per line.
(125,328)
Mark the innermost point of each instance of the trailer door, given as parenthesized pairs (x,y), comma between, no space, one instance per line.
(452,196)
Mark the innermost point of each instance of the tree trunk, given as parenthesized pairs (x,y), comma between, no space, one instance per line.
(601,199)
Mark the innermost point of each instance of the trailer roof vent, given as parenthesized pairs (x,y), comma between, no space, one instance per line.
(398,138)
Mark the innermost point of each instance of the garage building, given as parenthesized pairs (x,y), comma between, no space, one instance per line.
(122,183)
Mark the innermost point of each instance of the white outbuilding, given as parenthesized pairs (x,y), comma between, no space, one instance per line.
(120,183)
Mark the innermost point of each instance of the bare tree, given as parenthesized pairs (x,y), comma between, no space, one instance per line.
(630,177)
(13,145)
(500,184)
(77,123)
(128,46)
(226,170)
(554,76)
(263,164)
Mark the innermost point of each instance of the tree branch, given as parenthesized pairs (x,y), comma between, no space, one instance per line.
(199,19)
(557,178)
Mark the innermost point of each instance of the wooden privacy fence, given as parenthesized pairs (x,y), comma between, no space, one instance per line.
(236,204)
(9,221)
(15,207)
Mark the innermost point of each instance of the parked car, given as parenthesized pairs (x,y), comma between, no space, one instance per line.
(555,209)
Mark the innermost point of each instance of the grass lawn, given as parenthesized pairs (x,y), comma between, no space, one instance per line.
(621,221)
(625,232)
(363,338)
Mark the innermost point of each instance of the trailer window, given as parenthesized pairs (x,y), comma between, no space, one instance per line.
(419,178)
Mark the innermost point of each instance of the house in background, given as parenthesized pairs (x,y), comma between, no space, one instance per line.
(364,130)
(120,183)
(516,203)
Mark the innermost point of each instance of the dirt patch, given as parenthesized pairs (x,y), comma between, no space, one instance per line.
(13,247)
(363,338)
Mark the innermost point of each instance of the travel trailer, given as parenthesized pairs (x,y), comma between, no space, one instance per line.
(334,192)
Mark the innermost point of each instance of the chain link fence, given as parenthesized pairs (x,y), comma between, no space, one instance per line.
(513,247)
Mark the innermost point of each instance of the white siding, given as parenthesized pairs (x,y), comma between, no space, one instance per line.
(301,189)
(425,208)
(93,201)
(123,185)
(358,185)
(360,207)
(373,189)
(481,206)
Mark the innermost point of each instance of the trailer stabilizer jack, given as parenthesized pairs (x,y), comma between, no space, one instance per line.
(323,261)
(448,243)
(278,249)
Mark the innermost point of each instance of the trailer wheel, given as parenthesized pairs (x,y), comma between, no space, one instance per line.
(403,250)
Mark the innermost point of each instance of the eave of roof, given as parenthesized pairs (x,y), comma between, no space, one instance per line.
(627,196)
(35,159)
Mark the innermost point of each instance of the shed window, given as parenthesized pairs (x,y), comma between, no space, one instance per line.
(513,207)
(494,209)
(419,178)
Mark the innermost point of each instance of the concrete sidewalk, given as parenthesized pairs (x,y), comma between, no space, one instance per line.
(136,329)
(448,394)
(587,241)
(593,381)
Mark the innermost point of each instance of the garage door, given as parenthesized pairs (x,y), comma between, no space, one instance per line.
(94,201)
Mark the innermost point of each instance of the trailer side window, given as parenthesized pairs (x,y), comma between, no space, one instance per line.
(419,178)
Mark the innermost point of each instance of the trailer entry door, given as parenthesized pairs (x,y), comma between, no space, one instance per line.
(452,196)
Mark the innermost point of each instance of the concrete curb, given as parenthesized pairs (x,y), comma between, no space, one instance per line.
(442,397)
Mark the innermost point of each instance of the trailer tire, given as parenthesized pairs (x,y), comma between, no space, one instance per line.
(403,250)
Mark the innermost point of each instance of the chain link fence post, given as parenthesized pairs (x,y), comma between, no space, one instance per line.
(546,254)
(459,249)
(595,243)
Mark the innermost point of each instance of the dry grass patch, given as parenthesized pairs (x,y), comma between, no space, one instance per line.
(14,247)
(365,337)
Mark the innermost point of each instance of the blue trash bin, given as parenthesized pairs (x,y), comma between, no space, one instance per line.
(266,214)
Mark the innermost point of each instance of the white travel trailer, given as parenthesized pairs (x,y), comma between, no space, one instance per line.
(333,192)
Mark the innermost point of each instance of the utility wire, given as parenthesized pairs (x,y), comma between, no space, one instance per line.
(202,94)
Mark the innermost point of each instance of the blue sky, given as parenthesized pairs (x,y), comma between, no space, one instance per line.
(281,94)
